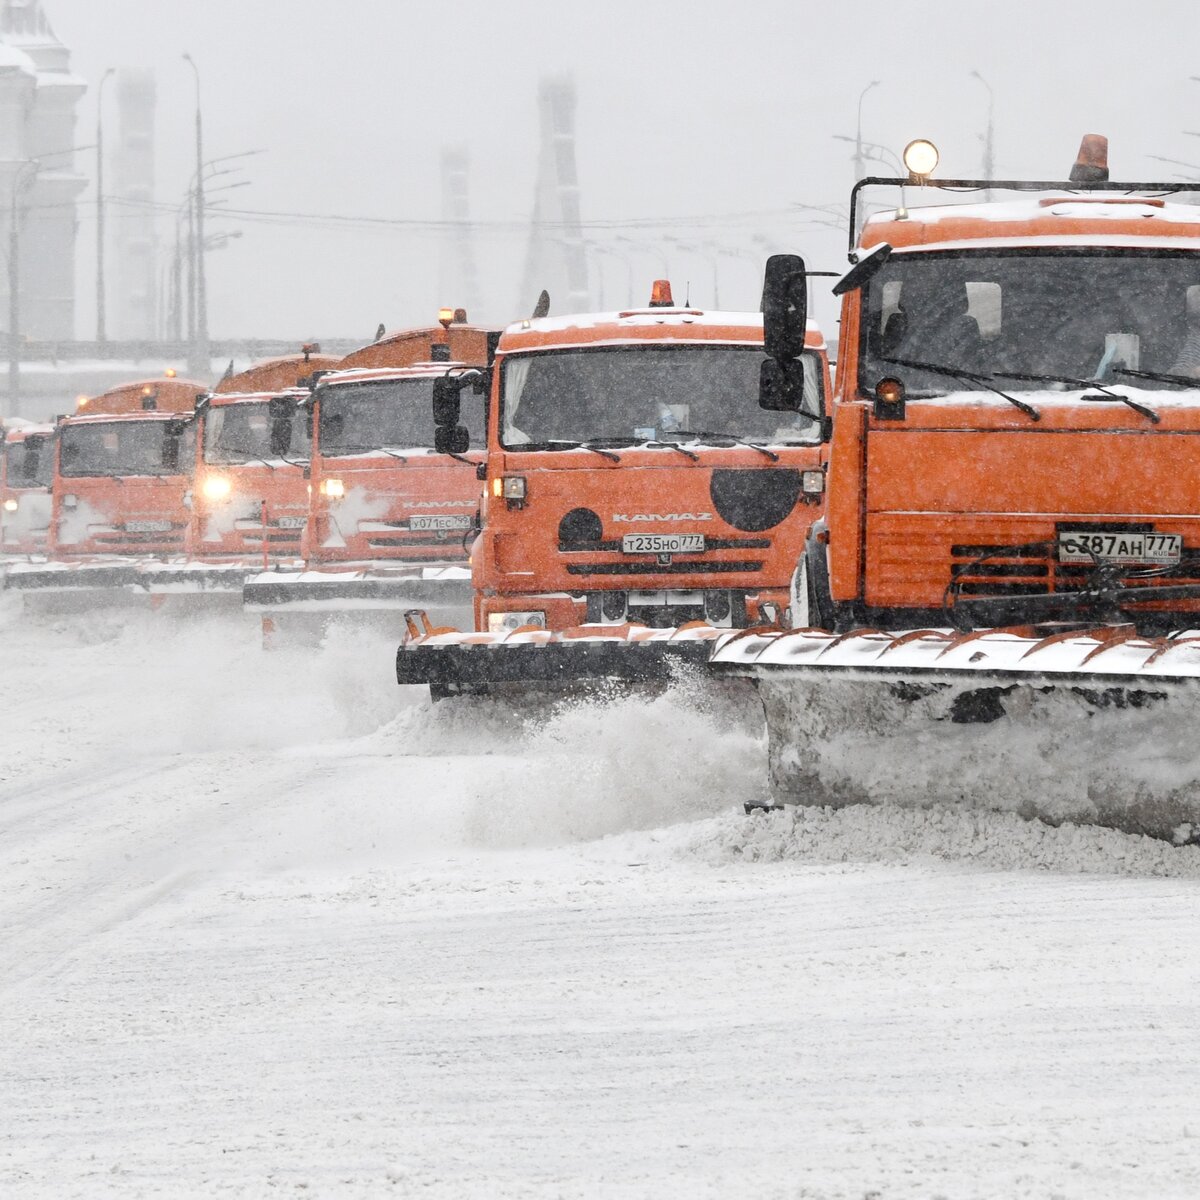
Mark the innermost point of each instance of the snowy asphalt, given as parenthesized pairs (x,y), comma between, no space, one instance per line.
(272,926)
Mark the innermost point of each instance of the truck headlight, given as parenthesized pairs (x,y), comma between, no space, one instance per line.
(812,483)
(506,622)
(335,489)
(511,487)
(216,487)
(70,500)
(11,504)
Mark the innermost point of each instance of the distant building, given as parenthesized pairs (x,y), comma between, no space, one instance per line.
(39,99)
(133,284)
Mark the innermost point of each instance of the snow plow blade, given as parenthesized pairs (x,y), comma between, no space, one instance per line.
(325,591)
(1092,727)
(452,662)
(126,577)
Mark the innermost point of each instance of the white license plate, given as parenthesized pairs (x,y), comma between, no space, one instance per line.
(147,526)
(445,521)
(292,522)
(1088,546)
(662,543)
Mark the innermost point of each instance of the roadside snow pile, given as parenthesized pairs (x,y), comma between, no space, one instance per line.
(864,833)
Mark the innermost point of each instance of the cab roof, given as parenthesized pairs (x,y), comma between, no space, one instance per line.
(424,370)
(18,433)
(1064,219)
(636,326)
(277,374)
(226,399)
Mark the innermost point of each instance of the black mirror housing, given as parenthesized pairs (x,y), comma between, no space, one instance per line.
(280,408)
(451,439)
(784,306)
(446,404)
(781,385)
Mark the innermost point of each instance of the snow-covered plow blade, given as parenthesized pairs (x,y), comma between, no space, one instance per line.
(452,662)
(445,592)
(124,580)
(1095,727)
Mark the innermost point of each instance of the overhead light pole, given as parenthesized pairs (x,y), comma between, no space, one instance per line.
(989,160)
(200,353)
(101,330)
(859,165)
(24,174)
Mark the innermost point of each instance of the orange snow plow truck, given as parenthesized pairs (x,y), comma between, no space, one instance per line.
(1003,597)
(249,502)
(122,467)
(26,472)
(635,491)
(390,518)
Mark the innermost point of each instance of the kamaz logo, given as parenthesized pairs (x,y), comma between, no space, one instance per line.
(630,518)
(442,503)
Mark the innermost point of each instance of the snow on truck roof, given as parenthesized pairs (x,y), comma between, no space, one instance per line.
(1051,219)
(425,370)
(634,326)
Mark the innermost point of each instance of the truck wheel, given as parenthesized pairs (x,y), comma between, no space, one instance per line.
(812,605)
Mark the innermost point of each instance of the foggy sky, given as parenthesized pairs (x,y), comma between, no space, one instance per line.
(712,118)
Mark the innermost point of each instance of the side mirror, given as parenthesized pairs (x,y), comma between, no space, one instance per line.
(781,385)
(170,447)
(784,306)
(446,406)
(281,410)
(863,270)
(451,439)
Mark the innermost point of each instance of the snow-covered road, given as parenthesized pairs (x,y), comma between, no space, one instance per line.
(271,926)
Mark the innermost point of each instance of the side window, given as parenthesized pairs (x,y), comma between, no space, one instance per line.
(985,304)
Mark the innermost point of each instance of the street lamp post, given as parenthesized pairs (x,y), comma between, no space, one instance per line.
(200,354)
(101,331)
(858,142)
(25,172)
(989,162)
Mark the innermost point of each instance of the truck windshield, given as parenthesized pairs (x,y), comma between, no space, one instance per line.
(644,394)
(129,447)
(241,433)
(394,414)
(30,462)
(1079,313)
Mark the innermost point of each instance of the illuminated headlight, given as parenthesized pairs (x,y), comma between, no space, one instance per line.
(812,483)
(511,487)
(70,500)
(335,489)
(11,504)
(216,487)
(506,622)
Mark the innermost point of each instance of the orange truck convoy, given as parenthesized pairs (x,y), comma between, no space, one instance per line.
(390,519)
(633,483)
(1009,563)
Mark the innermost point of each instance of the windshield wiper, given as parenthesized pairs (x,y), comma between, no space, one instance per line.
(967,377)
(334,451)
(672,446)
(1081,383)
(1190,381)
(707,435)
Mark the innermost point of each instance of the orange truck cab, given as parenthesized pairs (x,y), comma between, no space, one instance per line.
(249,504)
(122,468)
(390,519)
(26,472)
(632,476)
(1017,420)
